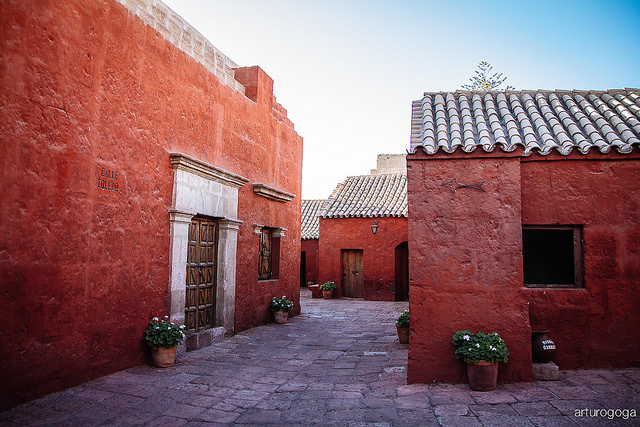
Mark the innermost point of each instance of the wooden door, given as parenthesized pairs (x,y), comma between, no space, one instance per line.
(352,273)
(199,308)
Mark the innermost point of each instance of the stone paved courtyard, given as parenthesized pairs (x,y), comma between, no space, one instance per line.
(338,363)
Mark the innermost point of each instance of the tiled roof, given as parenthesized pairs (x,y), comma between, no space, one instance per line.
(310,223)
(533,120)
(368,196)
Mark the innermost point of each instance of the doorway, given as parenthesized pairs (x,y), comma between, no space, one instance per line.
(303,269)
(402,271)
(200,298)
(352,273)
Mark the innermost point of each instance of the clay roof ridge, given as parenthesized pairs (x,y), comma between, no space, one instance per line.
(310,225)
(535,120)
(368,196)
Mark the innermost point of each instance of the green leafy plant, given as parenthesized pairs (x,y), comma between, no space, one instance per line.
(162,333)
(475,348)
(280,304)
(328,286)
(403,319)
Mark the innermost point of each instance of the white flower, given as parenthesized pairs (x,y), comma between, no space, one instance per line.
(492,348)
(181,326)
(466,337)
(155,319)
(477,345)
(166,317)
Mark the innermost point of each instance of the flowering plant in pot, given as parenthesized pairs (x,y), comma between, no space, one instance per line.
(327,289)
(280,308)
(481,352)
(163,338)
(402,327)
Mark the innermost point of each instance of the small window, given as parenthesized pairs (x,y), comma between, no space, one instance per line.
(269,254)
(552,256)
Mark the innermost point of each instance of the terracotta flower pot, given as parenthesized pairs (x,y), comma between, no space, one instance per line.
(403,334)
(164,357)
(483,376)
(327,294)
(280,316)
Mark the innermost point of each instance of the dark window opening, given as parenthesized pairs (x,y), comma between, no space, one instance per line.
(552,256)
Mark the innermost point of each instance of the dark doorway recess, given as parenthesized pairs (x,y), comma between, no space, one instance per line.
(402,271)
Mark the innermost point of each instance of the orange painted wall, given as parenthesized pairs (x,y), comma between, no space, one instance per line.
(87,86)
(378,252)
(470,247)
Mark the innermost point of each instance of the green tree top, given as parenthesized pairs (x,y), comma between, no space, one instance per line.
(484,81)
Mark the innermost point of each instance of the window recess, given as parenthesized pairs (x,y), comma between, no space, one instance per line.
(552,256)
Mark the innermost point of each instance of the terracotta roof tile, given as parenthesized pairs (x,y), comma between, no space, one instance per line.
(532,120)
(310,223)
(370,196)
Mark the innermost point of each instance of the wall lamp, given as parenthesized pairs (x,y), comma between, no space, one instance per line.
(374,227)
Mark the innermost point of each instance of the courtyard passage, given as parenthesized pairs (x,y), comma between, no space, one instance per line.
(338,363)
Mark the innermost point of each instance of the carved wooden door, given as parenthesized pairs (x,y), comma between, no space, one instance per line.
(199,311)
(352,273)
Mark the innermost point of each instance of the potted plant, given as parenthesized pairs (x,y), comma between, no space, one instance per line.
(402,326)
(280,308)
(163,338)
(481,352)
(327,290)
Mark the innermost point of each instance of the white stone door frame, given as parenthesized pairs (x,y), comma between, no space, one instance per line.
(203,189)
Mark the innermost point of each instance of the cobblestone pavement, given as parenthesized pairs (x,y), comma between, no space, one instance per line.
(338,363)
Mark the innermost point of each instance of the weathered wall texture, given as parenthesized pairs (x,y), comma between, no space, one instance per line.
(596,326)
(310,247)
(378,252)
(465,270)
(470,247)
(89,91)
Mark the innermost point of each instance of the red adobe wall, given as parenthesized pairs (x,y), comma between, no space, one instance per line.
(596,326)
(86,88)
(310,247)
(471,246)
(378,252)
(465,269)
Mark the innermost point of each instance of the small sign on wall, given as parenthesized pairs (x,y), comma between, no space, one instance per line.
(108,179)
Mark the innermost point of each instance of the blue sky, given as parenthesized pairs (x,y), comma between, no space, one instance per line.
(347,70)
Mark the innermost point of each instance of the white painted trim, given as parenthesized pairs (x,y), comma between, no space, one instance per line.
(272,193)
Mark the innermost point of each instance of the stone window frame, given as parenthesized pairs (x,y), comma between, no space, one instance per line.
(276,238)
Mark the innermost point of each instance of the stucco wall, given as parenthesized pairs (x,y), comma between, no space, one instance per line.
(596,326)
(89,90)
(465,269)
(470,247)
(378,252)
